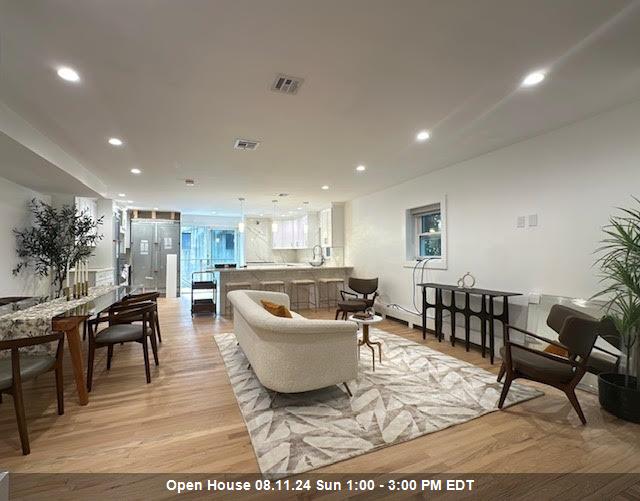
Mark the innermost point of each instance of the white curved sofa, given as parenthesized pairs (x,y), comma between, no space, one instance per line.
(291,355)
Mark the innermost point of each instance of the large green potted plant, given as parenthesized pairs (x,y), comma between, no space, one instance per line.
(58,239)
(620,266)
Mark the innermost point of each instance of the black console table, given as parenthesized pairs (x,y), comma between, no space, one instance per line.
(486,313)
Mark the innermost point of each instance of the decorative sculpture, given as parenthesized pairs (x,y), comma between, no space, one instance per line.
(467,281)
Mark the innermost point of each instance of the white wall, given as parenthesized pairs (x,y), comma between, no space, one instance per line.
(104,254)
(571,177)
(15,214)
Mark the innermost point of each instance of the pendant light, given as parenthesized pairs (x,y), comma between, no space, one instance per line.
(274,223)
(241,223)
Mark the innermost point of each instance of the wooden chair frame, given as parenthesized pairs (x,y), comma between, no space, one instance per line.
(124,314)
(15,390)
(512,374)
(144,297)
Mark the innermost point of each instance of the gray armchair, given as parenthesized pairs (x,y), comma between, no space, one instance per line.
(577,335)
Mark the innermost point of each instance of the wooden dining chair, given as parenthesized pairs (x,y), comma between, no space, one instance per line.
(142,298)
(22,367)
(126,323)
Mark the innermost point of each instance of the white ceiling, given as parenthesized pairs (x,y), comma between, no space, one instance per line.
(24,167)
(179,81)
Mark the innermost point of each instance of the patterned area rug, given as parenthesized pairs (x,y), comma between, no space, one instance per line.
(415,391)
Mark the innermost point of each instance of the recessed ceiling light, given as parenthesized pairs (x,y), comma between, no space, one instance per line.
(135,171)
(129,201)
(213,212)
(423,135)
(68,74)
(155,208)
(361,168)
(122,195)
(533,79)
(299,208)
(115,141)
(325,187)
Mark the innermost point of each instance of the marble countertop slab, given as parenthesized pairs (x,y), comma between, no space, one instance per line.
(276,267)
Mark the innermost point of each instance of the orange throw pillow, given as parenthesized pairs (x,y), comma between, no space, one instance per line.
(556,350)
(279,310)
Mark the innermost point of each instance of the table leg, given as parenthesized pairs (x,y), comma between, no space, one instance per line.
(492,337)
(439,314)
(483,326)
(75,349)
(424,313)
(453,319)
(467,321)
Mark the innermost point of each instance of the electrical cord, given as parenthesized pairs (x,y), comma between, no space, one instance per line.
(422,263)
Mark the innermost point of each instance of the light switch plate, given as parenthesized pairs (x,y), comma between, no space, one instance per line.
(520,222)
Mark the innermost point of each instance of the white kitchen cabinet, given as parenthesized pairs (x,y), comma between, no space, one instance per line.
(291,234)
(325,228)
(332,226)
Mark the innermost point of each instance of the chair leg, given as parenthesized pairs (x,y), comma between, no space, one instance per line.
(60,388)
(84,331)
(154,348)
(21,417)
(501,373)
(157,321)
(145,350)
(109,356)
(505,389)
(571,395)
(91,358)
(337,313)
(346,386)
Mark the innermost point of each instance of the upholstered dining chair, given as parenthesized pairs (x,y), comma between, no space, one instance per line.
(142,298)
(22,367)
(358,300)
(126,323)
(577,335)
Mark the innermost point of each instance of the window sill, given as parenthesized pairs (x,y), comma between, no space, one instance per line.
(438,264)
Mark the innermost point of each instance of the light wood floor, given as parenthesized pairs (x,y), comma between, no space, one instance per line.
(187,420)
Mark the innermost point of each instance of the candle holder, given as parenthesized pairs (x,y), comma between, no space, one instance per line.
(67,293)
(75,291)
(86,288)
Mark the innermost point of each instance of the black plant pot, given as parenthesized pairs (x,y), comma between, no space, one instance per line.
(619,400)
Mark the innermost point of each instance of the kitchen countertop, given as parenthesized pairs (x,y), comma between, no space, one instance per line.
(280,267)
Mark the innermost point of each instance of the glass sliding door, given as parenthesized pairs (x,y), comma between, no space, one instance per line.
(203,247)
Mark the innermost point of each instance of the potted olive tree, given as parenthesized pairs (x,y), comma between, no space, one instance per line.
(58,239)
(620,266)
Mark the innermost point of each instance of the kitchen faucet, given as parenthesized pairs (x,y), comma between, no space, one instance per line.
(315,261)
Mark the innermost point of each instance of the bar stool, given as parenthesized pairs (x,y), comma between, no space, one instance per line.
(272,285)
(233,286)
(310,285)
(337,283)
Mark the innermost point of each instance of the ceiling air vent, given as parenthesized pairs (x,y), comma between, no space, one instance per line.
(285,84)
(246,144)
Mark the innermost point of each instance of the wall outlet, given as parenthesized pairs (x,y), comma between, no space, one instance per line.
(520,222)
(533,219)
(534,298)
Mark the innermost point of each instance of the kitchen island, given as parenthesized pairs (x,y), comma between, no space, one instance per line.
(254,274)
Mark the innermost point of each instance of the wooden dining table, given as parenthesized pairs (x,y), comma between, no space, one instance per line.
(67,318)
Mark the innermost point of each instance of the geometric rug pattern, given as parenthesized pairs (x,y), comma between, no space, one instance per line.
(414,391)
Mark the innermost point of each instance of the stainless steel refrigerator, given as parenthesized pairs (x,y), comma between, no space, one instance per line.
(151,241)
